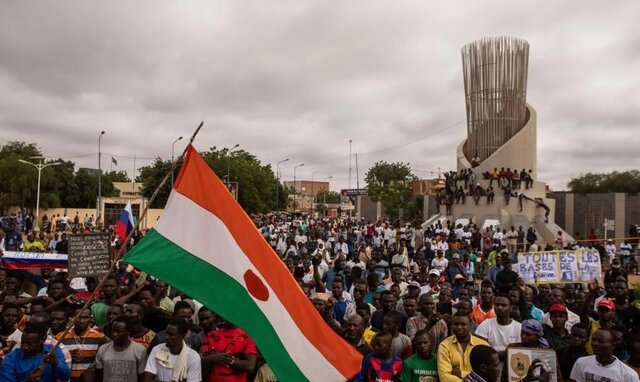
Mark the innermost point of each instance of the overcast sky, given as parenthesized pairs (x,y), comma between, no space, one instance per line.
(299,79)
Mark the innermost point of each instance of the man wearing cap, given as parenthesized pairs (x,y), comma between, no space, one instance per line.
(556,297)
(433,286)
(458,283)
(606,313)
(557,334)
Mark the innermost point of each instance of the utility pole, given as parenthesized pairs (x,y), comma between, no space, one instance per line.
(278,180)
(312,187)
(39,166)
(229,163)
(295,191)
(99,206)
(349,164)
(357,174)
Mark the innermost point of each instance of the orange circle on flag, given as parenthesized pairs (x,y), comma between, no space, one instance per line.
(255,286)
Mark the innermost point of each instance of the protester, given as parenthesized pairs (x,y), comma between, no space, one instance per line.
(453,353)
(23,362)
(602,366)
(422,366)
(173,360)
(381,364)
(121,359)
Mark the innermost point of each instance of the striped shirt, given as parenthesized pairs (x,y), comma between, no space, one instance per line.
(87,342)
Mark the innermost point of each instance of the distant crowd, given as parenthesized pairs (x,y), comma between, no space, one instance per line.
(437,303)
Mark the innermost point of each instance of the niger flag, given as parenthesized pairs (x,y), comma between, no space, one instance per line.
(206,246)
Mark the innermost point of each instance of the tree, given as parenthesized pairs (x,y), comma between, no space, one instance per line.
(627,182)
(19,186)
(60,185)
(391,184)
(329,197)
(117,176)
(256,182)
(151,176)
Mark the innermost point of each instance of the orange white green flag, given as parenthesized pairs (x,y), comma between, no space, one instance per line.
(205,245)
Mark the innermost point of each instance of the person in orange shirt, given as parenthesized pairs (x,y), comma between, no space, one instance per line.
(484,309)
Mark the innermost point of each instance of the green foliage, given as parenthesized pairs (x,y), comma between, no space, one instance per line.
(117,176)
(151,176)
(627,182)
(391,184)
(256,182)
(60,184)
(330,197)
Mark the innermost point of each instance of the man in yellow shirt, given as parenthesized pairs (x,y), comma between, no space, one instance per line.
(33,245)
(453,352)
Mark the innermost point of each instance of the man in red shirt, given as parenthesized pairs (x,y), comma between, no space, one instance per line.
(230,353)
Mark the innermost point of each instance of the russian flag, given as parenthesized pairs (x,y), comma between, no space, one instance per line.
(124,225)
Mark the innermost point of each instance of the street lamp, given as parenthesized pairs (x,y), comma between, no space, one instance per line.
(295,192)
(325,194)
(278,180)
(312,194)
(39,167)
(99,206)
(229,163)
(173,145)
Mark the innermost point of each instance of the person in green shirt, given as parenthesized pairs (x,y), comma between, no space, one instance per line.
(422,366)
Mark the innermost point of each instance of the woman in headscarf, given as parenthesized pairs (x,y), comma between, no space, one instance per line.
(532,336)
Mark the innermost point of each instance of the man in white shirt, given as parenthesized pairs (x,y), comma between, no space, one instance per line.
(439,262)
(512,240)
(501,330)
(173,360)
(625,253)
(610,250)
(602,366)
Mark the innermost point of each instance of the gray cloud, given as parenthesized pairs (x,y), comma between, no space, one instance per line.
(299,79)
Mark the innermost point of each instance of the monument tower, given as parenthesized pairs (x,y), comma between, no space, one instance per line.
(501,133)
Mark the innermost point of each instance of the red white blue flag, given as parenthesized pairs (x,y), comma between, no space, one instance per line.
(124,225)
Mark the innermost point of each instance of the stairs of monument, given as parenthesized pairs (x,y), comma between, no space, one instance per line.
(549,231)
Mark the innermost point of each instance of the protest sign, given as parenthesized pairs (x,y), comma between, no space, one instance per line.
(559,266)
(89,255)
(519,360)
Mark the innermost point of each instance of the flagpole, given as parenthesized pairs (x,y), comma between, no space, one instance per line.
(121,250)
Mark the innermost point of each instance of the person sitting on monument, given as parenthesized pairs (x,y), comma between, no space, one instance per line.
(490,194)
(477,192)
(475,161)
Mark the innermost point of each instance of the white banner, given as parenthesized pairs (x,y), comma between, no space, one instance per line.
(559,266)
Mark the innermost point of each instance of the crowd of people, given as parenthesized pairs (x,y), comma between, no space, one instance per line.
(465,182)
(24,223)
(438,303)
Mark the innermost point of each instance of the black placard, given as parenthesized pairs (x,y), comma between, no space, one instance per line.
(88,255)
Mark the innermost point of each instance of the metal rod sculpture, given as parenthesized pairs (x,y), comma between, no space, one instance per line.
(495,84)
